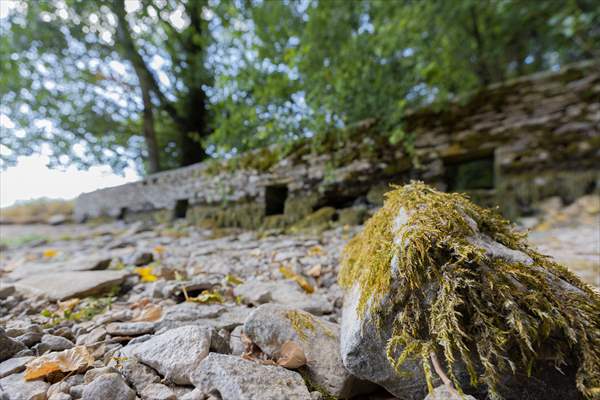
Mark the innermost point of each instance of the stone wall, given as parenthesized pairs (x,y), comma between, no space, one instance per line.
(510,144)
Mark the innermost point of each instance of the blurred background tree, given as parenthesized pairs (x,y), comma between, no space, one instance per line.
(166,83)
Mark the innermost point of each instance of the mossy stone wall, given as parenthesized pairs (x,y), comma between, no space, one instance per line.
(510,144)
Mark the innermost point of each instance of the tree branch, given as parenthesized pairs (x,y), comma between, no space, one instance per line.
(144,74)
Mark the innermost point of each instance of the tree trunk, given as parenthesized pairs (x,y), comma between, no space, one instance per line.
(145,80)
(195,128)
(153,160)
(196,115)
(483,71)
(191,121)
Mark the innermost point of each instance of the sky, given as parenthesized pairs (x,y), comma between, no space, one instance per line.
(31,179)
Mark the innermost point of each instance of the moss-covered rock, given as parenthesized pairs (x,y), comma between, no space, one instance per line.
(352,215)
(432,276)
(315,221)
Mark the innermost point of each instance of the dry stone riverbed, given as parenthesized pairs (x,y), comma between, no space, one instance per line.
(180,312)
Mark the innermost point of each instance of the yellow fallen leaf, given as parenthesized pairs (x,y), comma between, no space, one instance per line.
(205,297)
(315,251)
(49,253)
(303,283)
(291,355)
(119,361)
(150,313)
(146,274)
(160,250)
(233,280)
(68,305)
(69,360)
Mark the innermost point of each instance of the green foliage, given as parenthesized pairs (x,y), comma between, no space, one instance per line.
(453,298)
(22,240)
(307,67)
(84,311)
(231,75)
(69,86)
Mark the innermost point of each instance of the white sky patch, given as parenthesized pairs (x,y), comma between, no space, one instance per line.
(132,5)
(8,5)
(31,179)
(118,67)
(6,122)
(179,19)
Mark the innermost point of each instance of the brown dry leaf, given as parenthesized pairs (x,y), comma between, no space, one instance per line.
(291,355)
(69,360)
(150,313)
(141,303)
(303,283)
(315,271)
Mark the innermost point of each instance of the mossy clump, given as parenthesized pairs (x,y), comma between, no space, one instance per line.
(302,322)
(314,387)
(316,221)
(453,298)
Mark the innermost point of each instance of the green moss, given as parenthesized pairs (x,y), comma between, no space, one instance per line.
(487,313)
(302,322)
(352,215)
(376,194)
(313,387)
(84,311)
(299,206)
(518,192)
(315,221)
(237,215)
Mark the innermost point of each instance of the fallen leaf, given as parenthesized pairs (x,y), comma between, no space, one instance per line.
(233,280)
(303,283)
(150,313)
(159,250)
(68,305)
(141,303)
(69,360)
(315,271)
(146,274)
(49,253)
(205,297)
(291,355)
(315,251)
(119,361)
(178,276)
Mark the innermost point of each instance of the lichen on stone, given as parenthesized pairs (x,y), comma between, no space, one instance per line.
(422,262)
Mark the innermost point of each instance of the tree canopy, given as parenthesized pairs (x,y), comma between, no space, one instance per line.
(165,83)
